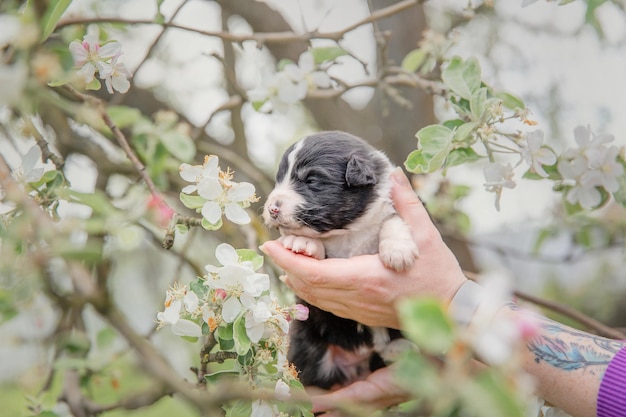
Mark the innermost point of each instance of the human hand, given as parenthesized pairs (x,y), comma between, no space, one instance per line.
(361,288)
(376,392)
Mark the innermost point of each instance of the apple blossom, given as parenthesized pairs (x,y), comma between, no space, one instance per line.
(91,57)
(536,155)
(219,192)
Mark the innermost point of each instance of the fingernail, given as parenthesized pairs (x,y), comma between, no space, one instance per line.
(262,248)
(398,176)
(283,278)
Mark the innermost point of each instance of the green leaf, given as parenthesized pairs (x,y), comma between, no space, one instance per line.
(462,156)
(551,170)
(51,17)
(434,143)
(191,201)
(59,83)
(413,60)
(190,339)
(328,53)
(453,123)
(240,409)
(225,332)
(181,229)
(97,201)
(123,116)
(462,77)
(75,342)
(105,337)
(487,396)
(256,105)
(219,376)
(510,101)
(47,414)
(418,375)
(464,131)
(283,63)
(210,226)
(226,344)
(240,336)
(250,256)
(93,85)
(8,307)
(198,287)
(425,323)
(478,103)
(179,145)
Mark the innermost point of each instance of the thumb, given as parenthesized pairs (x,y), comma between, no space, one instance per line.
(405,199)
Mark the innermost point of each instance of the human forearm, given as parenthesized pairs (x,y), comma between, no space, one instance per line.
(567,364)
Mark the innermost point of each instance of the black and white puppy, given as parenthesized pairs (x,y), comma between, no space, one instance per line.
(331,200)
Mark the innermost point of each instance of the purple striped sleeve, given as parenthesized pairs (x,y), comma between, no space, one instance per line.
(612,394)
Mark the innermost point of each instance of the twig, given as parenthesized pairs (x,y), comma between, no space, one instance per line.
(261,38)
(590,323)
(121,140)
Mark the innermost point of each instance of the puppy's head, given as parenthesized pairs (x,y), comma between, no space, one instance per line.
(324,183)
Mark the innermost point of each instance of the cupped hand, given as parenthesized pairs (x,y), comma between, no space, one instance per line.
(361,288)
(377,391)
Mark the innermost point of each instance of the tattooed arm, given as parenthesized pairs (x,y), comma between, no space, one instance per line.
(568,364)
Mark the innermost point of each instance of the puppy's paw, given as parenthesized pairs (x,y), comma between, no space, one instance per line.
(304,245)
(398,254)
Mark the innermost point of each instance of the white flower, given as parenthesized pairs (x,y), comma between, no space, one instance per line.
(180,300)
(17,33)
(526,3)
(220,193)
(11,27)
(118,78)
(493,337)
(609,170)
(12,82)
(498,175)
(262,408)
(238,279)
(292,84)
(180,327)
(27,172)
(282,391)
(588,167)
(91,57)
(536,155)
(263,318)
(207,172)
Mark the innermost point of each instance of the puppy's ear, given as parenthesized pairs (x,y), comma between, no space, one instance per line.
(359,173)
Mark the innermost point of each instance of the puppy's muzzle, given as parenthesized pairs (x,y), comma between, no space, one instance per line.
(274,210)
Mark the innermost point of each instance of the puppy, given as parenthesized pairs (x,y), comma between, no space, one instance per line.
(331,200)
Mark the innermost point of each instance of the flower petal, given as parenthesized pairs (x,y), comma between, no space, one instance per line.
(242,191)
(212,212)
(190,173)
(231,309)
(185,327)
(210,188)
(226,254)
(236,214)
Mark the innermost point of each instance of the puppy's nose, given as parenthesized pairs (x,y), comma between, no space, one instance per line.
(274,209)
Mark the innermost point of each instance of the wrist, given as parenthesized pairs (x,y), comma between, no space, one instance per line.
(464,304)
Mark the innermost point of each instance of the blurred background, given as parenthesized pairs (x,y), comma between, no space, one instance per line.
(567,63)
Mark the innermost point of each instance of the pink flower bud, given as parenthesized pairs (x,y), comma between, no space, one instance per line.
(220,294)
(300,312)
(162,212)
